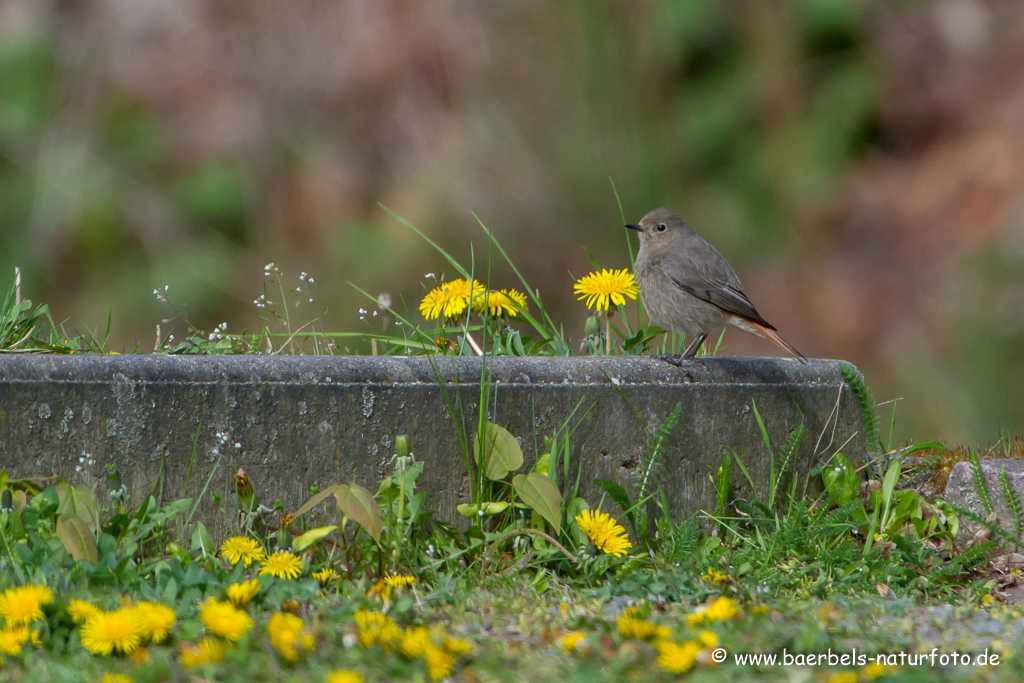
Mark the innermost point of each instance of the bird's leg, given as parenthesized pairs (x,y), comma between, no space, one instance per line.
(694,347)
(689,354)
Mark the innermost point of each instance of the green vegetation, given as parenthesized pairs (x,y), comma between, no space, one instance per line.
(539,585)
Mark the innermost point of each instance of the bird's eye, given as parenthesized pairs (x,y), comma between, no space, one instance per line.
(661,227)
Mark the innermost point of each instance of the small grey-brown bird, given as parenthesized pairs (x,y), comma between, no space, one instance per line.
(687,285)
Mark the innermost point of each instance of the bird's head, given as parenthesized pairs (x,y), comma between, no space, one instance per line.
(660,226)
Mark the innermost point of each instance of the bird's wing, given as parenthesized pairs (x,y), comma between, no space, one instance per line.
(711,279)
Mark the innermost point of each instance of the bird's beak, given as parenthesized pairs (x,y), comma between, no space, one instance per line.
(633,226)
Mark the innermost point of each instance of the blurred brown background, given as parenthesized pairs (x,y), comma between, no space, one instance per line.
(860,163)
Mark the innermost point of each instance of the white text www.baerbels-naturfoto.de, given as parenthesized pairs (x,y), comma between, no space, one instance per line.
(855,658)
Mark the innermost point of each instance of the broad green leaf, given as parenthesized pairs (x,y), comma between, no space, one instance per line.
(840,479)
(499,453)
(541,494)
(316,500)
(312,536)
(171,591)
(543,464)
(201,540)
(467,510)
(572,510)
(80,502)
(358,504)
(892,475)
(76,538)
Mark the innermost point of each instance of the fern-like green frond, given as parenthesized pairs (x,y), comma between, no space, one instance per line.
(980,487)
(1012,500)
(855,380)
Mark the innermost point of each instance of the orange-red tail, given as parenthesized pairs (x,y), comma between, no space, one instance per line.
(773,336)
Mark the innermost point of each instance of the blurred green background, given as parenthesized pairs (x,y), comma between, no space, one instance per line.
(860,163)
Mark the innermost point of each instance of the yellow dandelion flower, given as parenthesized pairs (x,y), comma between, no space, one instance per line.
(205,651)
(708,639)
(440,663)
(572,639)
(676,658)
(713,576)
(242,549)
(241,593)
(376,629)
(844,677)
(721,609)
(283,565)
(400,580)
(344,676)
(325,576)
(604,532)
(12,639)
(158,620)
(122,630)
(225,620)
(641,629)
(414,642)
(380,590)
(606,288)
(80,610)
(24,604)
(456,646)
(288,636)
(507,302)
(115,678)
(450,299)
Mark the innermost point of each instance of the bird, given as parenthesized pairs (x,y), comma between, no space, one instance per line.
(687,286)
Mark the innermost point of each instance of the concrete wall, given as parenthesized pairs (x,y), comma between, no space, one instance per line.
(294,422)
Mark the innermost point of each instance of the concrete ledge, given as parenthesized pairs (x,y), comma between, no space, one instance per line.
(303,421)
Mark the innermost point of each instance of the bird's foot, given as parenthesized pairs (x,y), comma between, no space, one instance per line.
(671,360)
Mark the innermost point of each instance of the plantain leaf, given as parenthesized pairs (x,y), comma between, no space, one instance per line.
(499,453)
(76,538)
(312,536)
(357,503)
(541,494)
(201,540)
(79,502)
(316,500)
